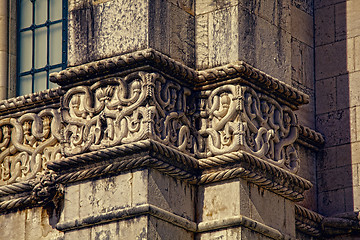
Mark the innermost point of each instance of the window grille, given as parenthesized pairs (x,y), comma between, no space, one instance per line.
(42,43)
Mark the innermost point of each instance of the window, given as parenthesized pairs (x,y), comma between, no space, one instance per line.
(42,43)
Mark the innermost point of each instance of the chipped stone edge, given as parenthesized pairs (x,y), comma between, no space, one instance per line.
(307,221)
(310,138)
(149,209)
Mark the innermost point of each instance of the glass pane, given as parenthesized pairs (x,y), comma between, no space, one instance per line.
(26,13)
(55,47)
(40,80)
(51,84)
(25,51)
(25,85)
(40,11)
(55,10)
(40,47)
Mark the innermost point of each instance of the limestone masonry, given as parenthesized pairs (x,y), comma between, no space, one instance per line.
(187,119)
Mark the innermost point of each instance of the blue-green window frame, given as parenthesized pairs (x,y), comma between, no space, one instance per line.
(48,67)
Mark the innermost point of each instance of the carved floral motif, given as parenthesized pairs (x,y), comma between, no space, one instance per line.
(27,143)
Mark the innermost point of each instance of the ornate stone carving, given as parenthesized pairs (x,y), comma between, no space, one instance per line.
(27,143)
(235,117)
(126,109)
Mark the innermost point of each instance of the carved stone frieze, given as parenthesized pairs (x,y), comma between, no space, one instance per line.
(127,109)
(27,143)
(235,117)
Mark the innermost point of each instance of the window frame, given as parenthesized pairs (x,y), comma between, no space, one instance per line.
(48,67)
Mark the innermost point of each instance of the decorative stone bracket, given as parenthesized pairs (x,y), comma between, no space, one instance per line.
(145,110)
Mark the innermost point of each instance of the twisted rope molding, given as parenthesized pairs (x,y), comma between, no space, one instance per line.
(253,162)
(122,150)
(254,178)
(122,166)
(15,188)
(310,136)
(139,58)
(255,76)
(307,221)
(30,100)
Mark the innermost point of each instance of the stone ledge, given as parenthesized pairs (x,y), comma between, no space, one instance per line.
(149,209)
(310,138)
(31,101)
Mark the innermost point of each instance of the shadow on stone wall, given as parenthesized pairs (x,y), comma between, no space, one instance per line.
(335,115)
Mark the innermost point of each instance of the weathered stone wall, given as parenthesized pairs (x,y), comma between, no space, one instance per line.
(337,79)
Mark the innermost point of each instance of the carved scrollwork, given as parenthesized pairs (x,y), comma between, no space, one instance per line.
(126,109)
(27,143)
(235,117)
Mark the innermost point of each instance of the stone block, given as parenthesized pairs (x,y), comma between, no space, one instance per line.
(223,36)
(326,68)
(354,88)
(324,25)
(302,63)
(39,225)
(3,37)
(186,5)
(159,229)
(221,200)
(107,29)
(322,3)
(348,20)
(206,6)
(103,195)
(12,225)
(248,234)
(83,234)
(182,36)
(171,195)
(302,26)
(234,233)
(357,53)
(276,12)
(342,92)
(71,202)
(331,202)
(343,155)
(327,158)
(337,178)
(304,5)
(326,98)
(202,41)
(279,216)
(306,113)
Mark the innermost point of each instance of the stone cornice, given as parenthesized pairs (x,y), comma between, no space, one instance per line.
(147,57)
(310,137)
(240,71)
(307,221)
(31,101)
(253,76)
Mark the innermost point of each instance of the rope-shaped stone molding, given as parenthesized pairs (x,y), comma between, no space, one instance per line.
(308,214)
(238,157)
(125,149)
(307,229)
(308,221)
(16,203)
(30,100)
(252,177)
(15,188)
(311,136)
(255,76)
(122,166)
(105,66)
